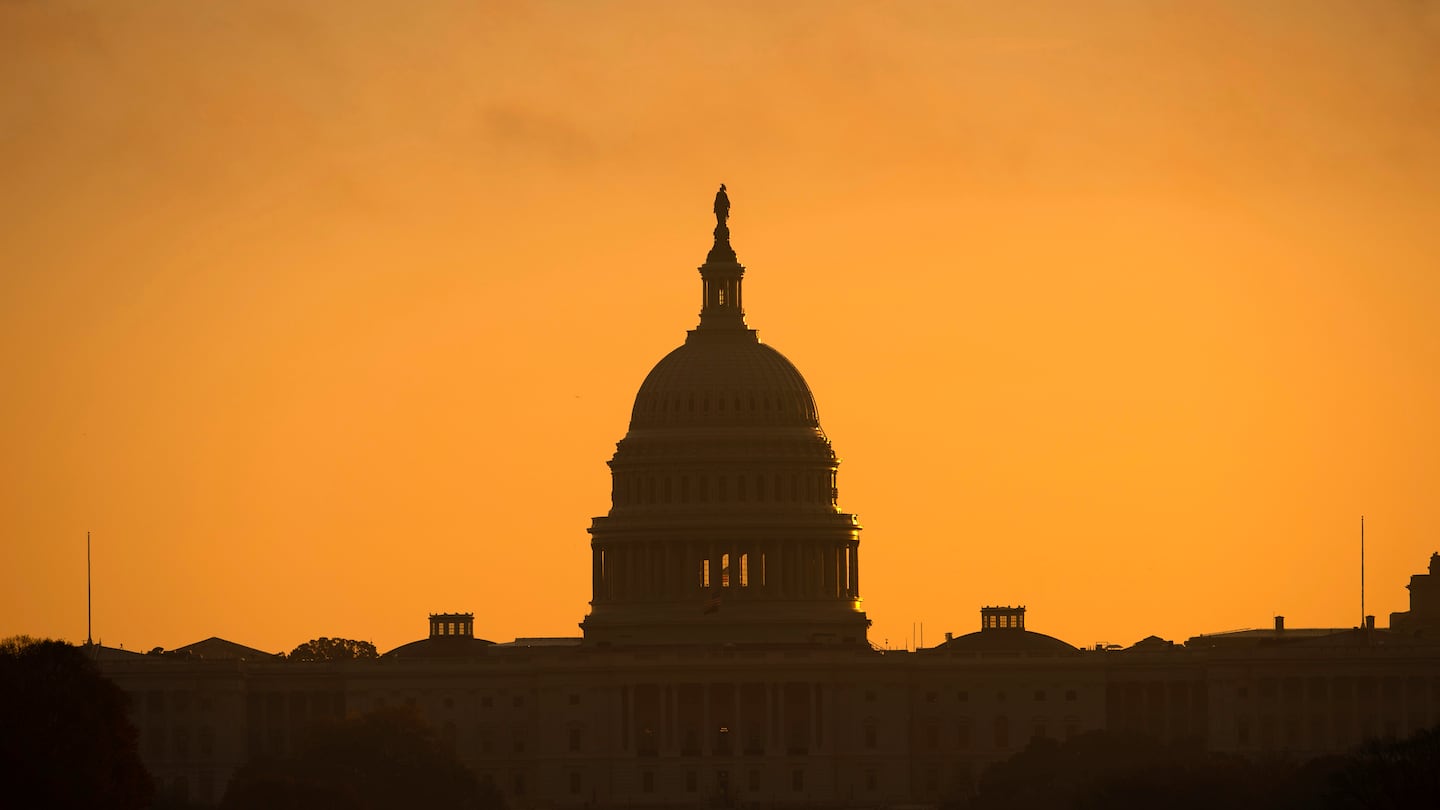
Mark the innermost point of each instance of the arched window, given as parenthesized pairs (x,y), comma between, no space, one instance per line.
(724,570)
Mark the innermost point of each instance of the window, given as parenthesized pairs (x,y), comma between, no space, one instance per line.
(574,740)
(1002,732)
(962,696)
(574,781)
(745,570)
(1070,695)
(930,697)
(724,570)
(692,783)
(754,781)
(797,780)
(647,781)
(870,735)
(574,698)
(1039,695)
(704,573)
(871,783)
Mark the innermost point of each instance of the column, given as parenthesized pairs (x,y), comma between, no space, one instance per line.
(706,732)
(855,569)
(596,588)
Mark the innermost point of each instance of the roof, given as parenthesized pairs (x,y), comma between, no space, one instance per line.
(1308,637)
(441,647)
(99,652)
(219,649)
(544,641)
(1006,641)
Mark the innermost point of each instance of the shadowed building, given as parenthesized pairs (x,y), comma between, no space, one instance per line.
(1423,617)
(724,659)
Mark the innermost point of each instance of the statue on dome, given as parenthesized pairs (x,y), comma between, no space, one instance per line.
(722,207)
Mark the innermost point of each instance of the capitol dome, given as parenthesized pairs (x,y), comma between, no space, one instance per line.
(724,525)
(724,380)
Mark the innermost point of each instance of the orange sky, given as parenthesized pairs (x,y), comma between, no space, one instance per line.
(327,315)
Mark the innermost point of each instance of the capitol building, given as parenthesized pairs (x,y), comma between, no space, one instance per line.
(724,659)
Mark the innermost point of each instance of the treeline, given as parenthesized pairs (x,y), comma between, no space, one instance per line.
(1116,771)
(66,741)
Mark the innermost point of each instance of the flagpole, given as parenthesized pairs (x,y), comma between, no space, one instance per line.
(89,610)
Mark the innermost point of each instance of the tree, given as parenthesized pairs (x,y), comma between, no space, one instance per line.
(379,761)
(334,649)
(1397,773)
(65,738)
(1118,770)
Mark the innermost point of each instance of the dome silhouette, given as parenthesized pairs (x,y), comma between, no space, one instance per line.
(731,379)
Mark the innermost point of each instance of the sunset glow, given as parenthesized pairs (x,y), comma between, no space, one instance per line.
(326,316)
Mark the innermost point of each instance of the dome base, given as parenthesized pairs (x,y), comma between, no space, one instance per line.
(790,622)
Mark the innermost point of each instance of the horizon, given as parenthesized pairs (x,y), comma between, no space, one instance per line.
(321,322)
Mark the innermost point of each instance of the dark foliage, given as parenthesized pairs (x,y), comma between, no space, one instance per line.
(334,649)
(1400,774)
(65,738)
(379,761)
(1116,771)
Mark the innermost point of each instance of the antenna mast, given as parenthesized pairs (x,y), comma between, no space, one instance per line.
(88,610)
(1362,570)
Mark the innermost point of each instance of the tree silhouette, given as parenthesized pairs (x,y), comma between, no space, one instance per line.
(379,761)
(1404,773)
(1103,770)
(65,738)
(334,649)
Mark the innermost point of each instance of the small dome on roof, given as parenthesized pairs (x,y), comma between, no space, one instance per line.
(1006,642)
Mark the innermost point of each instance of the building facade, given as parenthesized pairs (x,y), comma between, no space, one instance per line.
(725,660)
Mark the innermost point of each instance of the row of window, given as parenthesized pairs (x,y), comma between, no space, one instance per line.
(636,489)
(179,739)
(157,701)
(963,696)
(1341,687)
(1325,731)
(929,736)
(781,405)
